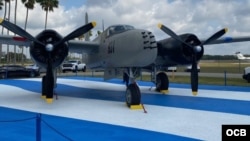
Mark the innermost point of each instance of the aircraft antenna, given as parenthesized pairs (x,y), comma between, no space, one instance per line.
(102,25)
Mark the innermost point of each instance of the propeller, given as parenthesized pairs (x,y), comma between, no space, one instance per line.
(78,32)
(49,79)
(195,49)
(16,29)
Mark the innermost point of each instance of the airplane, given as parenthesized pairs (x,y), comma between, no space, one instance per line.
(118,49)
(240,56)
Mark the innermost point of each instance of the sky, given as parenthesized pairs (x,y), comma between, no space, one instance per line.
(200,17)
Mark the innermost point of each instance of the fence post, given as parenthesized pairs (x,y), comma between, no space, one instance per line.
(38,127)
(225,78)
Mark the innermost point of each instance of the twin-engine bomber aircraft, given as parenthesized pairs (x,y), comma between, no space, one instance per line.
(119,49)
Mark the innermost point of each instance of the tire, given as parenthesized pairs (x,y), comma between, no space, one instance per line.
(162,82)
(84,69)
(248,78)
(133,95)
(76,69)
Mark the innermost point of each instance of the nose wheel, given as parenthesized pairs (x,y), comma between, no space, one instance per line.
(133,95)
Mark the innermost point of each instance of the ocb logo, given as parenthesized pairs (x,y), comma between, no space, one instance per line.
(236,132)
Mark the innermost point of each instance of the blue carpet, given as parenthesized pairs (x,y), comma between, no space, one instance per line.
(21,125)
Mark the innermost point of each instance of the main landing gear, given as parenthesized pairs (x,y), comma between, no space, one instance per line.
(161,80)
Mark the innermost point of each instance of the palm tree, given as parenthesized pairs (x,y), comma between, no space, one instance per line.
(9,6)
(1,4)
(4,17)
(48,5)
(29,4)
(15,23)
(1,7)
(5,11)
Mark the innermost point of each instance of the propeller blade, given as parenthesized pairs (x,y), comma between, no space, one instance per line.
(78,32)
(194,76)
(194,70)
(216,35)
(17,30)
(172,34)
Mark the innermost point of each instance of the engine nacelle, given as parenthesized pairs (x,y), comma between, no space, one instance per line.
(39,53)
(173,52)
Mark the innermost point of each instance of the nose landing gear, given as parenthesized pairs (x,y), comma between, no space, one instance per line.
(133,93)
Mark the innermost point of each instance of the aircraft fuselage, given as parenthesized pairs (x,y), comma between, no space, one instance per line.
(127,47)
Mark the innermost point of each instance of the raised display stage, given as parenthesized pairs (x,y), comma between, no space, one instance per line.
(87,108)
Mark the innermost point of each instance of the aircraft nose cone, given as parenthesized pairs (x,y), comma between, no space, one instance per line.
(148,40)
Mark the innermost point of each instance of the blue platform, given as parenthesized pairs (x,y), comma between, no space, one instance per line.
(18,120)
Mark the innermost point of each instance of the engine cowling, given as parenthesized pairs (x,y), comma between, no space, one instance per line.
(173,52)
(39,53)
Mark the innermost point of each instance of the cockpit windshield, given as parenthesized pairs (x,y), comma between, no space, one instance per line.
(118,29)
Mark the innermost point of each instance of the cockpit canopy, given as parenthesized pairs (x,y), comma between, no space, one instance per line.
(115,29)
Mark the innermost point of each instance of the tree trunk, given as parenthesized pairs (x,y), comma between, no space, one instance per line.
(15,34)
(4,17)
(46,19)
(8,32)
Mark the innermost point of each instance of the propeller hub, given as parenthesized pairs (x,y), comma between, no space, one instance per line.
(197,49)
(49,47)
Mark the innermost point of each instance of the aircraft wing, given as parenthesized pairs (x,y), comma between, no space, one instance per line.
(82,46)
(74,46)
(14,40)
(228,40)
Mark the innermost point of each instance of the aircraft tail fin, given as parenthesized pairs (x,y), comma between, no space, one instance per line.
(240,56)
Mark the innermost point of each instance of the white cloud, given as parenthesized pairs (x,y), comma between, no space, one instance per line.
(202,18)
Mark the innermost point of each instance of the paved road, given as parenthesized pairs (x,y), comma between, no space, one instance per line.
(228,75)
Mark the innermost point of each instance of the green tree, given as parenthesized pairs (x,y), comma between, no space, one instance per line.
(48,5)
(30,5)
